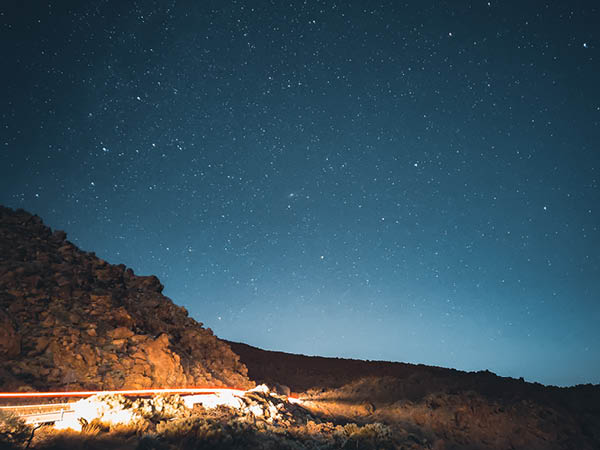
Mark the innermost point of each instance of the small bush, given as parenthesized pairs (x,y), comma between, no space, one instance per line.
(150,442)
(13,431)
(369,436)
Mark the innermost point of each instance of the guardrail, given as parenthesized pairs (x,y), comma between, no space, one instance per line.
(50,417)
(57,413)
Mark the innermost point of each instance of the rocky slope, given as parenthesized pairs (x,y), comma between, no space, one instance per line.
(69,320)
(449,408)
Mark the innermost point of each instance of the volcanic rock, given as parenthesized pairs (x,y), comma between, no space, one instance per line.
(10,341)
(69,320)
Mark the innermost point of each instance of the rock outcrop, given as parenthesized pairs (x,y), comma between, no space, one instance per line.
(69,320)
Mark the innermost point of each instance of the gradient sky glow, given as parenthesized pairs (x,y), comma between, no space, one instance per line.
(407,181)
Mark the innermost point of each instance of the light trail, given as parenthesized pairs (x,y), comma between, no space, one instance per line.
(140,392)
(64,413)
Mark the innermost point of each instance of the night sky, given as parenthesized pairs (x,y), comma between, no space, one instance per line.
(406,181)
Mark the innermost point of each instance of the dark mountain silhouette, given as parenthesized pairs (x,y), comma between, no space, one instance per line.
(474,410)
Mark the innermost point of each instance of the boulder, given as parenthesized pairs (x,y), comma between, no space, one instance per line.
(120,333)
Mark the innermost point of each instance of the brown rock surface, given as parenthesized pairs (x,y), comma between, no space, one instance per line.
(70,320)
(10,341)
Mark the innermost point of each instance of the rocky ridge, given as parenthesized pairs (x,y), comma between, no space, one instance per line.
(69,320)
(451,408)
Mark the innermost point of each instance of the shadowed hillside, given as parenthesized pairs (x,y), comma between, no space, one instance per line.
(460,409)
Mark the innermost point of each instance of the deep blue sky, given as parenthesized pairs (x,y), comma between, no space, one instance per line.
(408,181)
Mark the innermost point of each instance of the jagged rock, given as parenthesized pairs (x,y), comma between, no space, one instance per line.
(70,319)
(165,364)
(120,333)
(10,341)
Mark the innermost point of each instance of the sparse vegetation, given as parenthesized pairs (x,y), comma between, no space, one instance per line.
(166,424)
(13,431)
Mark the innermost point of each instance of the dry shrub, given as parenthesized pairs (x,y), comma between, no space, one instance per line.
(199,432)
(72,440)
(165,424)
(152,442)
(14,433)
(92,428)
(205,433)
(369,436)
(208,432)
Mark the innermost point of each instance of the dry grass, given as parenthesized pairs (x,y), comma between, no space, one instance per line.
(13,431)
(170,427)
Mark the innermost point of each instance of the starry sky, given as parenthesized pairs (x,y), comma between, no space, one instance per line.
(408,181)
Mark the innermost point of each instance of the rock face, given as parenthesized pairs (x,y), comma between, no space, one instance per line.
(69,320)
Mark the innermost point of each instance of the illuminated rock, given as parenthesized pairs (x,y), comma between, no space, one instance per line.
(75,321)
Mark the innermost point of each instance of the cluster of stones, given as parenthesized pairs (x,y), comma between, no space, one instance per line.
(258,404)
(69,320)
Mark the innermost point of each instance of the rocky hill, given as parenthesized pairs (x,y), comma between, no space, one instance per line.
(69,320)
(451,408)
